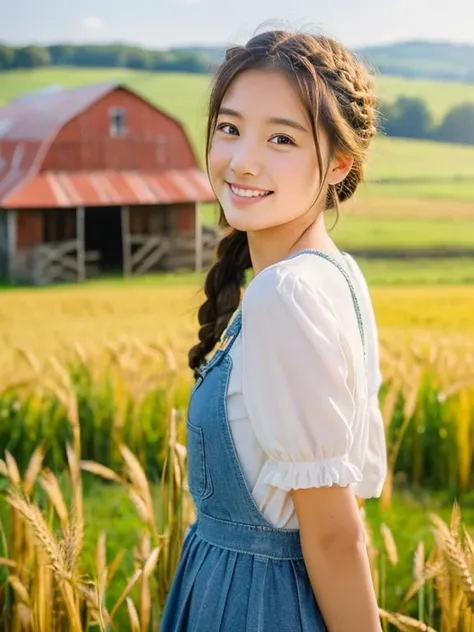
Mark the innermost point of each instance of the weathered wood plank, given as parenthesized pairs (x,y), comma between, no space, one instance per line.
(153,258)
(11,244)
(152,243)
(126,240)
(81,246)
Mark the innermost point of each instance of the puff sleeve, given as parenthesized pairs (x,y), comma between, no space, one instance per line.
(296,383)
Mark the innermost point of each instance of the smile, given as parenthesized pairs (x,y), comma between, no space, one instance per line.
(248,193)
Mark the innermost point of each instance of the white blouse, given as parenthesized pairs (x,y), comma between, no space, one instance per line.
(302,402)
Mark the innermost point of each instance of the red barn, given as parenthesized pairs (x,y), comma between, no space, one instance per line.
(97,180)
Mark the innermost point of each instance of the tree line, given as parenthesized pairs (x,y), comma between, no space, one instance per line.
(410,117)
(104,56)
(407,117)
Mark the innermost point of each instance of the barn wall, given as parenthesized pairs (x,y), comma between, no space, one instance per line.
(152,141)
(29,229)
(185,217)
(162,219)
(3,245)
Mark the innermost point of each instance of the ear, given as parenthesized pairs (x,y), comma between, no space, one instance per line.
(341,166)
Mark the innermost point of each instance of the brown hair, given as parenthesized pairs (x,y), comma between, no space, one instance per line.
(337,91)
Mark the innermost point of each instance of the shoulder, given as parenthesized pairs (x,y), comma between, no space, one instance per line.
(306,280)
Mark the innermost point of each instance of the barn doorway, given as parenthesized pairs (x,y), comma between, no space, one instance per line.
(103,237)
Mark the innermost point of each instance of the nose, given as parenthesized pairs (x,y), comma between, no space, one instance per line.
(245,160)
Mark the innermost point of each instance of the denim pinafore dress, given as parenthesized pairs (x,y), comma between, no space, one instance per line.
(237,573)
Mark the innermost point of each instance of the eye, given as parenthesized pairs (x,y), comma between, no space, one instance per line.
(228,128)
(282,140)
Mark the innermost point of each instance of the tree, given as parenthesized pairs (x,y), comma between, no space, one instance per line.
(387,115)
(7,56)
(31,57)
(411,119)
(61,54)
(458,125)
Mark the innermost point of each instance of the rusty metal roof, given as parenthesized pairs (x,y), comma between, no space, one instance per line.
(111,188)
(37,116)
(29,125)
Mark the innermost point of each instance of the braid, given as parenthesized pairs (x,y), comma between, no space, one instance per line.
(352,83)
(223,291)
(333,80)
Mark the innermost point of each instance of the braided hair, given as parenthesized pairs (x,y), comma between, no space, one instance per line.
(337,92)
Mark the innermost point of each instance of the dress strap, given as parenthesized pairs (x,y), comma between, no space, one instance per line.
(355,300)
(236,321)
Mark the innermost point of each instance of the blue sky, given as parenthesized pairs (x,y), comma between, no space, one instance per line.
(162,23)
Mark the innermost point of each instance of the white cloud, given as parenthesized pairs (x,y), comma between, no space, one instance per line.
(92,23)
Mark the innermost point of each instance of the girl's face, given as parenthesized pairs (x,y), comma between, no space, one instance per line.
(263,163)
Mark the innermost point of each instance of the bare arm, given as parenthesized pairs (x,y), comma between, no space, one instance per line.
(333,541)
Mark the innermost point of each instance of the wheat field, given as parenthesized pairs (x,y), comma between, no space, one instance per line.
(51,321)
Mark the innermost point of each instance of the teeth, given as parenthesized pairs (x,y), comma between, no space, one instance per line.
(248,192)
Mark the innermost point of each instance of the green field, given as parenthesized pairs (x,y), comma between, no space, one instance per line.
(441,97)
(415,189)
(184,96)
(440,189)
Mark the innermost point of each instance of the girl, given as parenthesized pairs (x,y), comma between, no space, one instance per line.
(284,429)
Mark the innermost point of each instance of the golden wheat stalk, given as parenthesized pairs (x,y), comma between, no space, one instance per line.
(34,518)
(404,623)
(389,544)
(42,590)
(454,556)
(12,469)
(139,489)
(34,467)
(128,588)
(19,588)
(4,469)
(102,471)
(133,616)
(49,483)
(427,574)
(419,561)
(469,549)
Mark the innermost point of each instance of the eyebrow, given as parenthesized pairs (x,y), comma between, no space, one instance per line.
(273,120)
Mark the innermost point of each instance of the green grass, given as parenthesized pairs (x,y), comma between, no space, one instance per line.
(417,272)
(441,96)
(395,158)
(454,190)
(185,95)
(378,272)
(363,232)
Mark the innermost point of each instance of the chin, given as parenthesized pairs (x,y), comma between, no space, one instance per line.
(238,221)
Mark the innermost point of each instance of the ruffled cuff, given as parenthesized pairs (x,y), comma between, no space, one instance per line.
(288,475)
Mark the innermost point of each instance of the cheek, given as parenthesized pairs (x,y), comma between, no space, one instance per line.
(299,171)
(218,160)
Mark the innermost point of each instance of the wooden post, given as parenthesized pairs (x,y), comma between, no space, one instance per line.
(81,243)
(198,238)
(11,245)
(126,243)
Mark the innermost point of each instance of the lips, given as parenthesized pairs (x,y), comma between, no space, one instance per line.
(248,192)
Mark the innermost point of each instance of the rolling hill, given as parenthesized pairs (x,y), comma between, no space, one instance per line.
(417,166)
(428,60)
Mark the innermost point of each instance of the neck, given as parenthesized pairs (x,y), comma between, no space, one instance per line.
(279,242)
